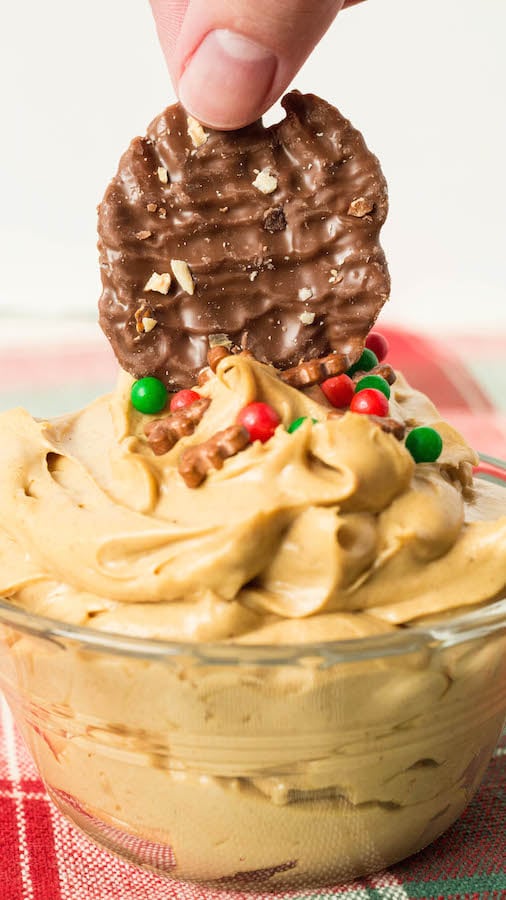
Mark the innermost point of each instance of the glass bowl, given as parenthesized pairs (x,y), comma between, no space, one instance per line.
(256,766)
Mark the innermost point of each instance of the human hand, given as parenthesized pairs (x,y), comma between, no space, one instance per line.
(230,60)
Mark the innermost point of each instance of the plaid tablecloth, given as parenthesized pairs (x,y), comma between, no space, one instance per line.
(43,857)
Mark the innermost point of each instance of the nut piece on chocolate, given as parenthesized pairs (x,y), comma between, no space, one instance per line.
(252,219)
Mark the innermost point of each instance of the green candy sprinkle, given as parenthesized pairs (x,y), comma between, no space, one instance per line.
(298,422)
(424,444)
(367,361)
(374,381)
(149,395)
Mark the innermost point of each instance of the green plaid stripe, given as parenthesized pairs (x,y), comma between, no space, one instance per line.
(467,863)
(469,860)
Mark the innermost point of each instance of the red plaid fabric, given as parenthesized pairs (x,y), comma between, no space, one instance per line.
(43,857)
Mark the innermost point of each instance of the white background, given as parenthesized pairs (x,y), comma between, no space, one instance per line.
(423,80)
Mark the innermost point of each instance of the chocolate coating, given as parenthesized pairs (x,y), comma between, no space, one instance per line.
(258,261)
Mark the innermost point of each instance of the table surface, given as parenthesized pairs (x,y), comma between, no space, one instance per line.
(43,857)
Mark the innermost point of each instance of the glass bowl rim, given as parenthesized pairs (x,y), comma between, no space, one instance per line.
(468,626)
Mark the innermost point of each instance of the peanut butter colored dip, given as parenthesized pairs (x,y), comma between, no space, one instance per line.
(329,533)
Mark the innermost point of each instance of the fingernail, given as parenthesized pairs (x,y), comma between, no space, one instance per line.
(227,80)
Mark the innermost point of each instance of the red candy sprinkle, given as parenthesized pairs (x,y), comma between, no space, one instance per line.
(260,420)
(370,402)
(338,390)
(378,344)
(183,399)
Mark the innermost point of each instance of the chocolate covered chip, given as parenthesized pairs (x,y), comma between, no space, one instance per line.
(287,191)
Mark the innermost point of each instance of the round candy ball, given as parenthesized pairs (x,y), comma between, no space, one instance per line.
(298,422)
(373,381)
(367,361)
(183,399)
(378,344)
(260,420)
(149,395)
(338,390)
(370,402)
(425,444)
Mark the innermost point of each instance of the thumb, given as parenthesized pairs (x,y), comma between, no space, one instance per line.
(230,60)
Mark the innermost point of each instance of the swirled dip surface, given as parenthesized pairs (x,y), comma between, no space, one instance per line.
(331,531)
(292,773)
(265,224)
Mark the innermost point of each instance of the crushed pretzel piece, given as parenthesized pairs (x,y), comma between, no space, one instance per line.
(216,354)
(390,426)
(142,235)
(158,283)
(183,275)
(163,174)
(360,207)
(265,181)
(305,293)
(196,132)
(152,207)
(197,461)
(307,318)
(162,213)
(313,371)
(163,434)
(384,370)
